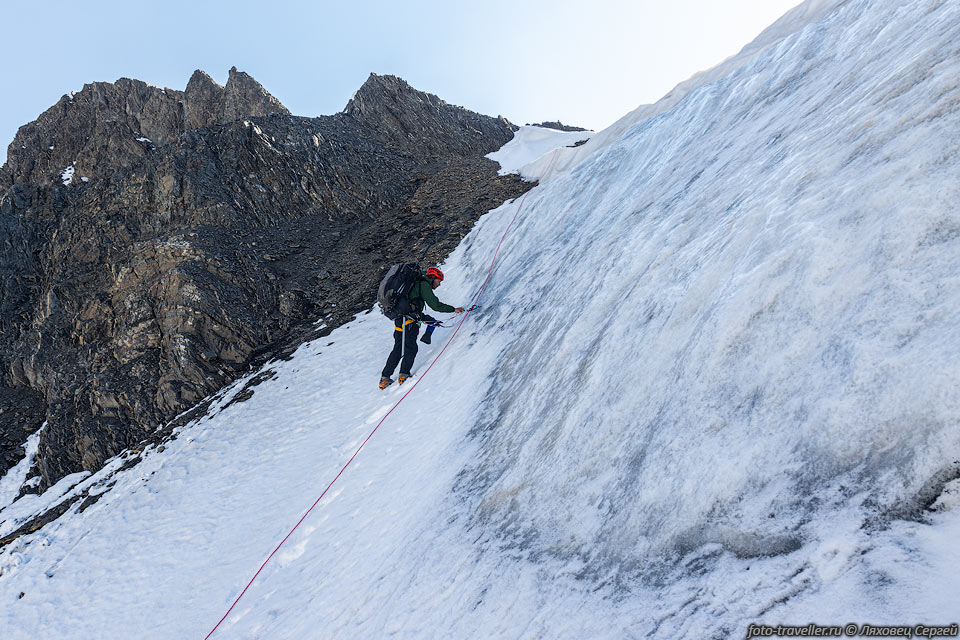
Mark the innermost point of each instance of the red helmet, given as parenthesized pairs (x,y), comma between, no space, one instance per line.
(433,272)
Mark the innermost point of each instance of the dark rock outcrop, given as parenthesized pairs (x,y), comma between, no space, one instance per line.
(109,125)
(243,96)
(421,121)
(185,259)
(559,126)
(201,100)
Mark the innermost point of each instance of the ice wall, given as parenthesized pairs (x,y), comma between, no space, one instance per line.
(739,325)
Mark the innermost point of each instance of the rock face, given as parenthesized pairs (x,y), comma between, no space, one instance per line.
(205,102)
(110,125)
(200,231)
(559,126)
(411,118)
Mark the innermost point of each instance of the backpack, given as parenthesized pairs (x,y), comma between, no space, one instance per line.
(394,292)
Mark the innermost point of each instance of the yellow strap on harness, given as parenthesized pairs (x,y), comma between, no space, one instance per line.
(408,321)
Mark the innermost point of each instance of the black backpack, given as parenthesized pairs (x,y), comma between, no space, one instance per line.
(393,295)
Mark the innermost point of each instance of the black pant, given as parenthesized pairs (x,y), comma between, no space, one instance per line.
(404,342)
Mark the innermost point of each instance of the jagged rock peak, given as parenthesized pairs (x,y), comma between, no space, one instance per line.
(106,125)
(201,80)
(388,89)
(244,96)
(377,87)
(207,103)
(202,99)
(409,116)
(102,126)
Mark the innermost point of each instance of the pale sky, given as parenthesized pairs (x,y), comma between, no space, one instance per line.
(584,62)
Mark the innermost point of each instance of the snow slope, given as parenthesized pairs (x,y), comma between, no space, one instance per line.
(713,382)
(530,143)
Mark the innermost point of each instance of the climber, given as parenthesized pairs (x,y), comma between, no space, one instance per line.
(407,327)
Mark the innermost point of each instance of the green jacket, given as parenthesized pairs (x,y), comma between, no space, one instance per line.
(422,293)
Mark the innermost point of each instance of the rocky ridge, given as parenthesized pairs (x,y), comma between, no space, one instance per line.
(213,231)
(557,125)
(105,125)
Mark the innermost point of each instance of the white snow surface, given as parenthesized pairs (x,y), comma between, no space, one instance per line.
(15,477)
(529,143)
(66,176)
(713,382)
